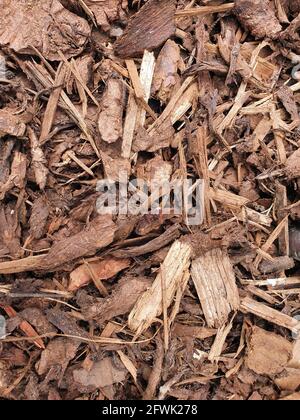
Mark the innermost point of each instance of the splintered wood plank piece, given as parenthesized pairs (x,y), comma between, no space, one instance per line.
(281,203)
(129,126)
(148,29)
(52,104)
(204,10)
(150,305)
(136,115)
(274,283)
(146,77)
(217,347)
(215,283)
(275,234)
(249,305)
(228,199)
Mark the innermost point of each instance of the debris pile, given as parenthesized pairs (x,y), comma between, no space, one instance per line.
(106,298)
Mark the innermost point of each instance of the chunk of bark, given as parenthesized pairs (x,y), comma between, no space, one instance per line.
(258,17)
(182,330)
(11,124)
(157,19)
(120,302)
(59,352)
(166,78)
(115,166)
(102,270)
(110,122)
(39,216)
(100,375)
(38,320)
(289,380)
(277,265)
(170,278)
(98,234)
(9,232)
(290,37)
(215,283)
(6,148)
(107,11)
(292,166)
(49,28)
(286,96)
(268,353)
(157,172)
(159,138)
(17,175)
(65,323)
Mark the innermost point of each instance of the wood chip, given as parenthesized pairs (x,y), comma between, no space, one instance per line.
(249,305)
(149,306)
(156,18)
(214,280)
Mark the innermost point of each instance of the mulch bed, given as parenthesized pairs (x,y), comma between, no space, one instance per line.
(135,305)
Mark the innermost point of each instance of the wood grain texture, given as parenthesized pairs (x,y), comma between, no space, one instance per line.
(214,280)
(148,29)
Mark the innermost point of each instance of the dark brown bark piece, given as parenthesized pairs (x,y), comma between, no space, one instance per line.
(148,29)
(65,323)
(258,17)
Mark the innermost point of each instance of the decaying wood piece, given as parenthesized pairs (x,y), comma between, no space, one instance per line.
(49,28)
(150,306)
(156,18)
(110,122)
(258,17)
(215,283)
(249,305)
(11,124)
(261,294)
